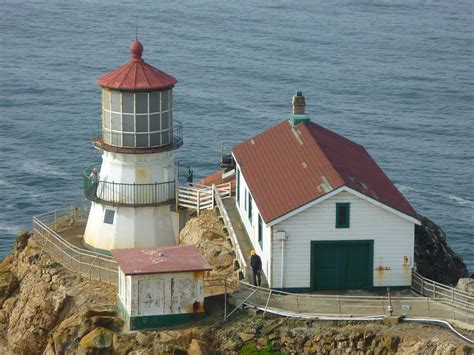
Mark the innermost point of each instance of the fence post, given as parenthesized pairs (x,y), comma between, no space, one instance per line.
(452,303)
(297,304)
(339,303)
(428,306)
(225,297)
(198,201)
(422,286)
(113,192)
(213,196)
(434,290)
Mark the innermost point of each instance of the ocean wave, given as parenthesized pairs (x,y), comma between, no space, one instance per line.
(42,168)
(460,201)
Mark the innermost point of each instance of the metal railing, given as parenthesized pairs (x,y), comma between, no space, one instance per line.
(86,262)
(317,305)
(231,231)
(115,141)
(461,300)
(132,195)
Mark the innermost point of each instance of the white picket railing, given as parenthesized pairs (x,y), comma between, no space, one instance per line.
(200,197)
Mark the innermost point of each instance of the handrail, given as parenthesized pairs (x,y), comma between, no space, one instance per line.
(126,194)
(429,281)
(310,305)
(231,231)
(86,262)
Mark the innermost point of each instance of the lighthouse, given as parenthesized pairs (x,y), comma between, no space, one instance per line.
(132,192)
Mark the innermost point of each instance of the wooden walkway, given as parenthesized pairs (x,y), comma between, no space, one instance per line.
(242,237)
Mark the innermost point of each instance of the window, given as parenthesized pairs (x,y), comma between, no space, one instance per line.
(109,216)
(245,199)
(237,193)
(342,215)
(141,103)
(250,208)
(136,114)
(260,231)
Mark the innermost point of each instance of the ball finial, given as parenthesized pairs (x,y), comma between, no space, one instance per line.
(136,48)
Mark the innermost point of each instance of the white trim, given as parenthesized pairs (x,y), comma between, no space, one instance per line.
(336,191)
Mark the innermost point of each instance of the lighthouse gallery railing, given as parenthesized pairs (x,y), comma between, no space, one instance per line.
(132,195)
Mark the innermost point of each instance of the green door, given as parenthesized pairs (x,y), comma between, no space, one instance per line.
(341,265)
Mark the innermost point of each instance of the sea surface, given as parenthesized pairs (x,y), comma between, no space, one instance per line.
(395,76)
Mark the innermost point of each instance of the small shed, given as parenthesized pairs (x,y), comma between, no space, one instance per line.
(160,286)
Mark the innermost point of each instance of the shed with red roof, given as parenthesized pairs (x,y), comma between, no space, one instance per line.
(160,286)
(319,210)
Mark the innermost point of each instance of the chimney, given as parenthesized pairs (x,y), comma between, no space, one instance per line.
(298,114)
(298,103)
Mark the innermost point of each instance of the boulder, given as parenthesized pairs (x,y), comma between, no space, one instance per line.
(34,315)
(466,285)
(99,338)
(434,259)
(22,240)
(8,284)
(197,347)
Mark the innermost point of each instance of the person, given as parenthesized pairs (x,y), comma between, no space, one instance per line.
(94,181)
(256,264)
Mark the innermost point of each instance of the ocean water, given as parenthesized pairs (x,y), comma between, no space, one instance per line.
(395,76)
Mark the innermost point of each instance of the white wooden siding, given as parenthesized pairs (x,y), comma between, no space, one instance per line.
(252,228)
(393,239)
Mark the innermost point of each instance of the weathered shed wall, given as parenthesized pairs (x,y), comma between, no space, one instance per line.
(163,294)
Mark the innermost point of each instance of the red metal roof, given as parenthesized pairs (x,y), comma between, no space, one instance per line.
(286,167)
(136,74)
(156,260)
(216,179)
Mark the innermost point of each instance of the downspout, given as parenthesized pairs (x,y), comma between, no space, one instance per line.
(282,268)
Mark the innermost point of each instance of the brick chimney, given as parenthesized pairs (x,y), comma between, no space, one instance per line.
(298,114)
(299,103)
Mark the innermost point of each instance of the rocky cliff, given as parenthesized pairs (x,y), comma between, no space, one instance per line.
(45,308)
(434,258)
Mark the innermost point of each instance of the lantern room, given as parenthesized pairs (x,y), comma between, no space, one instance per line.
(137,105)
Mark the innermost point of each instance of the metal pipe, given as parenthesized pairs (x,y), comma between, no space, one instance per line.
(439,322)
(282,268)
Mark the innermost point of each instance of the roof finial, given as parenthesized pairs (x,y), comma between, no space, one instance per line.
(136,28)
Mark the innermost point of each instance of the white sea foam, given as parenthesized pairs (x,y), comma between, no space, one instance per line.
(461,201)
(42,168)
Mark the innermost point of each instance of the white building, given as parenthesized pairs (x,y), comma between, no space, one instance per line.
(161,286)
(320,212)
(134,192)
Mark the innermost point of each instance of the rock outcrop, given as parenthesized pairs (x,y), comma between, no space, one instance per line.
(434,259)
(466,285)
(47,309)
(207,233)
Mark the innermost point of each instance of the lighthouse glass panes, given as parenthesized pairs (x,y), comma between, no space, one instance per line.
(137,120)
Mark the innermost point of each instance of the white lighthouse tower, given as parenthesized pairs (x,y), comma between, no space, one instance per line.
(133,191)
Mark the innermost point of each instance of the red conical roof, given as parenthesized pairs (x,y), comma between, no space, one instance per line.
(136,74)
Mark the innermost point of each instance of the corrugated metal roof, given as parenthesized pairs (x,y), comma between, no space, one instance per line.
(216,179)
(286,167)
(183,258)
(136,75)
